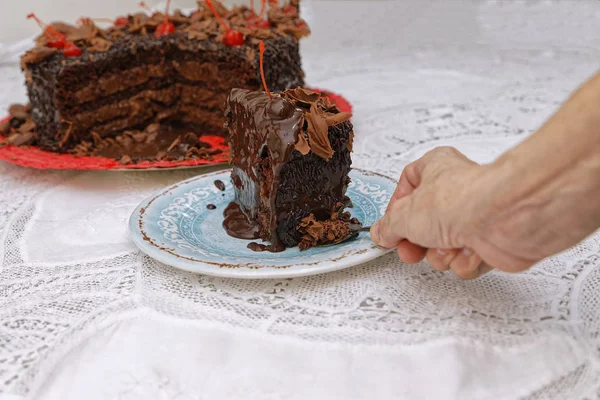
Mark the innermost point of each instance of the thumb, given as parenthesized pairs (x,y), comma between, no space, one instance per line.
(390,230)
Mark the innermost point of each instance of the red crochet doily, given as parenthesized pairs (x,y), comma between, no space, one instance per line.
(33,157)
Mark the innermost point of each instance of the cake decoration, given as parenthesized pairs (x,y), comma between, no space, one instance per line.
(166,27)
(97,91)
(56,40)
(231,37)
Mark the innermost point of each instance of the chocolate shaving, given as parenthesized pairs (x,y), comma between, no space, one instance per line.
(178,18)
(28,126)
(99,45)
(18,111)
(338,118)
(318,133)
(302,144)
(262,34)
(297,31)
(196,35)
(303,96)
(20,139)
(37,54)
(350,142)
(175,143)
(201,25)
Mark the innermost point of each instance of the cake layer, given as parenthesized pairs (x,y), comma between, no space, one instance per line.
(218,76)
(154,100)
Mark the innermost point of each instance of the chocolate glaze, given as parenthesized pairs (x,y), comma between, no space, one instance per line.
(277,177)
(237,225)
(220,185)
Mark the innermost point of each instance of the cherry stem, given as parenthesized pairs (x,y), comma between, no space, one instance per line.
(145,7)
(48,30)
(167,11)
(262,70)
(210,5)
(262,8)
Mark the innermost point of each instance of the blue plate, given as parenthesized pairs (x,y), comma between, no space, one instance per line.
(175,227)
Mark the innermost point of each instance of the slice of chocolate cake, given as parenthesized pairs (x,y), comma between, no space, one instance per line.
(86,84)
(291,158)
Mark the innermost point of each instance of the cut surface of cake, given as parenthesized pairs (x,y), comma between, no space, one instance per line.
(133,75)
(291,158)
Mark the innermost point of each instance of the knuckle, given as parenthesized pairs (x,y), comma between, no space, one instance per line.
(448,151)
(386,232)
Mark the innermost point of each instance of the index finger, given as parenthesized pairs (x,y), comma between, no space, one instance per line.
(410,179)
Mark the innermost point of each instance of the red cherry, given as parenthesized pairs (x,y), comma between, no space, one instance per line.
(301,24)
(71,50)
(289,10)
(55,39)
(261,23)
(121,21)
(164,29)
(233,38)
(56,44)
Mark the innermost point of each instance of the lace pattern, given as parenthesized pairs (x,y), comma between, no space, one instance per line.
(68,270)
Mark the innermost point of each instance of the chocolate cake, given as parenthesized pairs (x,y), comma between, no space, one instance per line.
(167,72)
(291,158)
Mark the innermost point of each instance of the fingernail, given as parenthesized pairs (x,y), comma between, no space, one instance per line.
(375,232)
(467,252)
(441,252)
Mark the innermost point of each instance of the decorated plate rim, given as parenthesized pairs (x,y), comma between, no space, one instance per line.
(296,268)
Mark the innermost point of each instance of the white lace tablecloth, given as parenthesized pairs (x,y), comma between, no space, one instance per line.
(85,315)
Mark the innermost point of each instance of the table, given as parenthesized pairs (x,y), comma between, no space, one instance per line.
(86,315)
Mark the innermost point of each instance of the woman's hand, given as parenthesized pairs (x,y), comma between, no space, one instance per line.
(538,199)
(434,211)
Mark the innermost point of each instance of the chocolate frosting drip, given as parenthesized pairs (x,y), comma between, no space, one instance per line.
(200,25)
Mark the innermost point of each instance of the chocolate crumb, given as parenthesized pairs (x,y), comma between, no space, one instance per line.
(339,227)
(259,247)
(220,185)
(211,206)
